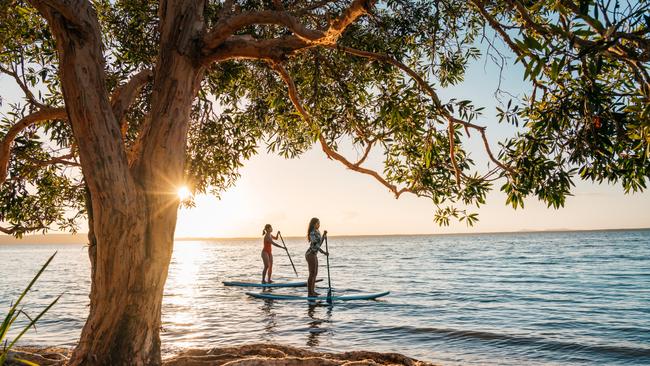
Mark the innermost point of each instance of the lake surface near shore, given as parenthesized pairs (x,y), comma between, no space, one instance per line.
(529,298)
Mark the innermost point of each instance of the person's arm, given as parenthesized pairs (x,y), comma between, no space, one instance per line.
(272,242)
(321,243)
(278,244)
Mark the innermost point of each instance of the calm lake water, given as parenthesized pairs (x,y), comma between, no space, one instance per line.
(541,298)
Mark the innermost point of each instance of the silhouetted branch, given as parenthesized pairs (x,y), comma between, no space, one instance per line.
(46,114)
(328,150)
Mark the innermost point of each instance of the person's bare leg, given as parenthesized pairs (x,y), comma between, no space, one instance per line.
(270,270)
(265,259)
(312,261)
(312,277)
(313,281)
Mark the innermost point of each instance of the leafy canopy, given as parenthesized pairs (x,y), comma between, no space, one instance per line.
(375,86)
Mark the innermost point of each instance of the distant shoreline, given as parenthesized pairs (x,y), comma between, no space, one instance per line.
(81,238)
(433,234)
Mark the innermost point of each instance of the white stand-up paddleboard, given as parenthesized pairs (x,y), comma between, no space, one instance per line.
(270,296)
(274,284)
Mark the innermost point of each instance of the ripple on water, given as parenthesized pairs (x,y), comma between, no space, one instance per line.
(564,298)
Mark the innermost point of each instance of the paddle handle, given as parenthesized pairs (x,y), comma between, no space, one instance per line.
(329,278)
(287,250)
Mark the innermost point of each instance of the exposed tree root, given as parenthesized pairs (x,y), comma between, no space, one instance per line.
(272,354)
(247,355)
(50,356)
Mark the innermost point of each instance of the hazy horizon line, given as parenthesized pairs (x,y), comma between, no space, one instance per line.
(189,238)
(80,237)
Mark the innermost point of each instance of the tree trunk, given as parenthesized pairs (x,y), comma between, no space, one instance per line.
(132,207)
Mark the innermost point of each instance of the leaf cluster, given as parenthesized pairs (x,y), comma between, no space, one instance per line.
(589,113)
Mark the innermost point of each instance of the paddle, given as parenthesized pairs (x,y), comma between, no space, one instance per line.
(329,279)
(287,250)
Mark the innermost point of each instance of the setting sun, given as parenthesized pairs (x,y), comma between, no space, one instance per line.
(184,193)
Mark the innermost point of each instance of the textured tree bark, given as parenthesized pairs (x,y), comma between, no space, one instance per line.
(132,209)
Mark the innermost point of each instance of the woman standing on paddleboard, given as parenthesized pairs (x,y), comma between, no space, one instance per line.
(267,256)
(315,242)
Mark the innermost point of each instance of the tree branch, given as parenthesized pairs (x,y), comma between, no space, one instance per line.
(69,9)
(593,23)
(331,153)
(28,93)
(611,48)
(121,100)
(452,152)
(526,17)
(357,9)
(429,90)
(220,44)
(482,129)
(123,96)
(392,61)
(18,229)
(498,27)
(42,115)
(63,159)
(274,50)
(227,26)
(247,48)
(366,153)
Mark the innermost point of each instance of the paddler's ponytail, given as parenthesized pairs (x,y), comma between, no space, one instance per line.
(267,229)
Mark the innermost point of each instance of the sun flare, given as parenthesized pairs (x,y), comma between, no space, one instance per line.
(184,193)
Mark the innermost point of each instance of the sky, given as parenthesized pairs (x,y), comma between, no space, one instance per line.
(288,192)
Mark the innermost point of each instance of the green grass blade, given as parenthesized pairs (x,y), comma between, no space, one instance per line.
(28,317)
(34,321)
(20,298)
(13,314)
(25,362)
(6,323)
(11,318)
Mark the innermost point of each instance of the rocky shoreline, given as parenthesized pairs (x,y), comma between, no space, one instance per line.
(246,355)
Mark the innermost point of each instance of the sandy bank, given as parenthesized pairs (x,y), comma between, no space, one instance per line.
(247,355)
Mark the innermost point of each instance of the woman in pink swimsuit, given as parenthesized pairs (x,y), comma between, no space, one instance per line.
(267,256)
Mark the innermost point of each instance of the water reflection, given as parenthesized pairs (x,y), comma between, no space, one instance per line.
(180,314)
(315,329)
(270,320)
